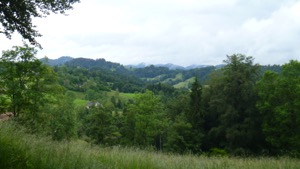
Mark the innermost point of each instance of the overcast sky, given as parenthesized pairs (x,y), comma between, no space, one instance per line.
(182,32)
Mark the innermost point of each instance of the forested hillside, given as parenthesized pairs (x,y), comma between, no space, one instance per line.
(152,74)
(240,109)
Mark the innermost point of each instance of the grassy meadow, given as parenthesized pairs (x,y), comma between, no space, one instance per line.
(80,100)
(26,151)
(184,84)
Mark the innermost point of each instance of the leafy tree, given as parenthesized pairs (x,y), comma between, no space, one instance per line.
(62,118)
(232,100)
(165,91)
(180,135)
(25,80)
(92,95)
(99,125)
(279,104)
(16,15)
(29,86)
(178,105)
(147,119)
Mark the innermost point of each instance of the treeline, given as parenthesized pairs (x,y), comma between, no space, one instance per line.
(238,110)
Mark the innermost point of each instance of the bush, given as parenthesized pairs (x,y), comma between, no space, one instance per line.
(218,152)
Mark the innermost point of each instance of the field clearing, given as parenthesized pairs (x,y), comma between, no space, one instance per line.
(127,96)
(80,102)
(156,78)
(79,97)
(184,84)
(179,76)
(20,150)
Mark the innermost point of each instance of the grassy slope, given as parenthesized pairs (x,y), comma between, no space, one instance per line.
(19,150)
(184,84)
(79,99)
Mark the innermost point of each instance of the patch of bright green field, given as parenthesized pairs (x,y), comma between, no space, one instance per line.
(80,102)
(79,97)
(185,84)
(127,95)
(157,78)
(179,76)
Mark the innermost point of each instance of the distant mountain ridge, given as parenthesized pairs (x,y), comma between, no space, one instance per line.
(64,59)
(168,65)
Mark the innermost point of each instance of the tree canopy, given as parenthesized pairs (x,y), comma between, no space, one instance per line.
(16,15)
(279,104)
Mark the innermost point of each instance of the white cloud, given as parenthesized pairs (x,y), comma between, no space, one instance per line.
(173,31)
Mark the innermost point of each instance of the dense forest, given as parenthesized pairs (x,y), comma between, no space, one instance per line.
(241,108)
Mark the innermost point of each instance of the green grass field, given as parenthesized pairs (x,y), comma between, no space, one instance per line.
(79,97)
(127,96)
(25,151)
(123,96)
(80,102)
(185,84)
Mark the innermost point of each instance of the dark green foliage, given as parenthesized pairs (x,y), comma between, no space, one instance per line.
(16,15)
(161,88)
(200,73)
(273,68)
(98,123)
(232,99)
(279,104)
(56,62)
(153,71)
(165,91)
(95,64)
(163,74)
(98,79)
(180,136)
(196,114)
(184,133)
(112,76)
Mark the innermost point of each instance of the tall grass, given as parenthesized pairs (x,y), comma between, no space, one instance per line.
(21,150)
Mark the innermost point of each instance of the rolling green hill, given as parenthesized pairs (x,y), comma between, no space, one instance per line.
(111,76)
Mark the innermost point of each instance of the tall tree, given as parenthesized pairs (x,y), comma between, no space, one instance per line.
(16,15)
(195,116)
(234,99)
